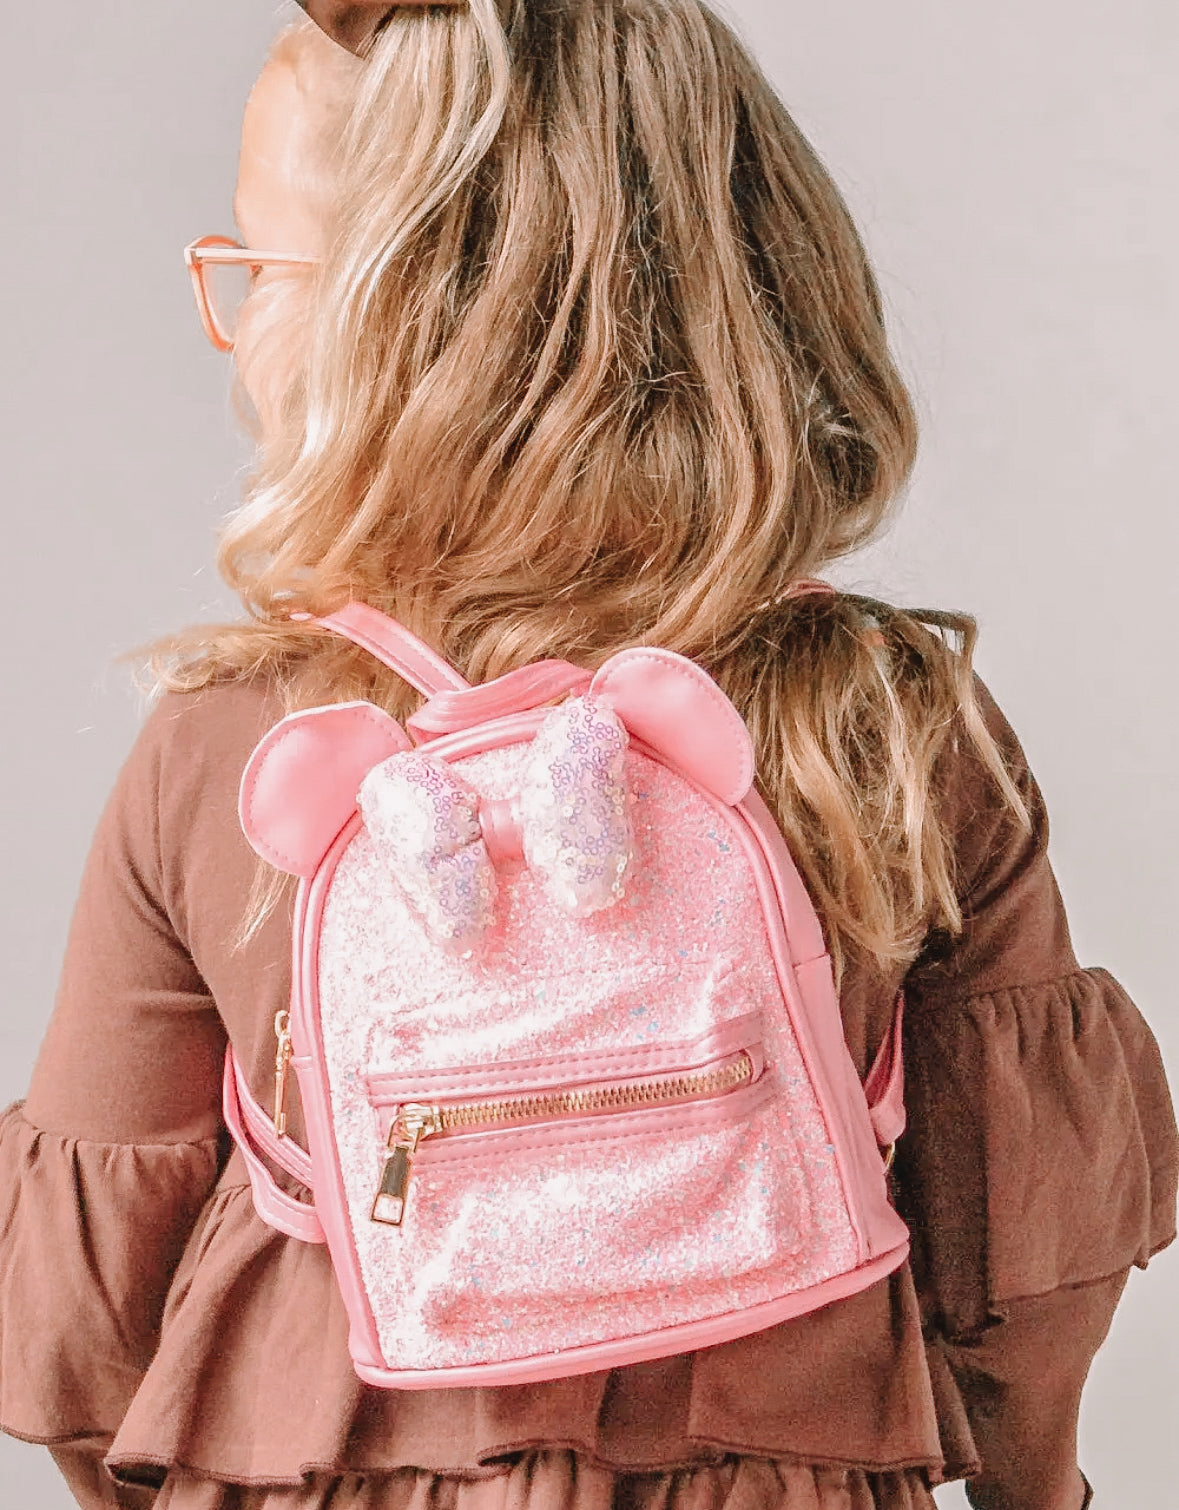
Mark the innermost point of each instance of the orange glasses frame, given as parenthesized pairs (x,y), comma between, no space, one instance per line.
(222,251)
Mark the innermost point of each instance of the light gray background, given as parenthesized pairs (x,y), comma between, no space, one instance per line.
(1013,168)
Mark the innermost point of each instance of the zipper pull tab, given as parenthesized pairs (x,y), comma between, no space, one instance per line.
(410,1126)
(282,1060)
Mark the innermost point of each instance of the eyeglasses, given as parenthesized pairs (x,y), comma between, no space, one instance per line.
(223,273)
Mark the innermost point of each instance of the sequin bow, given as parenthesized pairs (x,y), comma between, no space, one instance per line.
(572,809)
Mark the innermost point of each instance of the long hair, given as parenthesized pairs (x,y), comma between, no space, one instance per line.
(597,359)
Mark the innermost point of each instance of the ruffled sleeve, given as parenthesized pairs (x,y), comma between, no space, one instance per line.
(1041,1154)
(1041,1124)
(92,1233)
(105,1168)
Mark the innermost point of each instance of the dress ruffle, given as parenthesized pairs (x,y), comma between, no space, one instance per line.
(559,1480)
(251,1383)
(90,1237)
(1059,1164)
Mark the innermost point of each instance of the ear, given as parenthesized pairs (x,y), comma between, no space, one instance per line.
(674,706)
(299,788)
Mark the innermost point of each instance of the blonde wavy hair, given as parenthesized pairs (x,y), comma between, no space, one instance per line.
(596,359)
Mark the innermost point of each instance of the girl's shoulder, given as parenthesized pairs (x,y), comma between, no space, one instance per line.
(216,718)
(192,741)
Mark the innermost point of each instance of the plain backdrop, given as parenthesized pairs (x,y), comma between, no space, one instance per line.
(1013,168)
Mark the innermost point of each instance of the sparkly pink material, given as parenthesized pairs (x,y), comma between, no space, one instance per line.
(613,1225)
(573,812)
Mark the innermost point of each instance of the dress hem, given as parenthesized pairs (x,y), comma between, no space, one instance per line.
(499,1462)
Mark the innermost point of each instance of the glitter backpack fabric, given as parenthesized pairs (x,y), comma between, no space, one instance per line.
(564,1026)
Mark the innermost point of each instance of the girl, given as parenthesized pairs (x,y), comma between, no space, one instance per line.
(561,340)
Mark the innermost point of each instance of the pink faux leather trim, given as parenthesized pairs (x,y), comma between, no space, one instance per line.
(813,1011)
(510,729)
(675,707)
(543,1074)
(811,1000)
(662,1344)
(885,1085)
(299,786)
(395,646)
(516,692)
(499,823)
(274,1206)
(805,932)
(853,1133)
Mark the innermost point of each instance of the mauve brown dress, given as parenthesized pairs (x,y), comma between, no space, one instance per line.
(148,1317)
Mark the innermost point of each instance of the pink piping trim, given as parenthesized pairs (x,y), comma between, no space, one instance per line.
(553,1072)
(307,1039)
(661,1344)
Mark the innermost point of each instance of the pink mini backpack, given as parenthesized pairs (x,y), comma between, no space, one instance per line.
(564,1026)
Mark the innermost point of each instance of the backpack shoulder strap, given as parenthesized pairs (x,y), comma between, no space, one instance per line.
(395,646)
(885,1084)
(251,1130)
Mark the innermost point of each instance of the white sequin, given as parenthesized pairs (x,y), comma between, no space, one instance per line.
(573,806)
(425,821)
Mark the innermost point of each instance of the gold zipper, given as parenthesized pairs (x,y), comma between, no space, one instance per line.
(414,1121)
(282,1064)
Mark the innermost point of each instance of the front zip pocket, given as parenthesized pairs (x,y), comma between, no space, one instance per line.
(413,1121)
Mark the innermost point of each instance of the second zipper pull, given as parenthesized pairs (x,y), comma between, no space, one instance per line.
(282,1062)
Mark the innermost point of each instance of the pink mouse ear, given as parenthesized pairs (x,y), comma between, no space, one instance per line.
(674,706)
(299,788)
